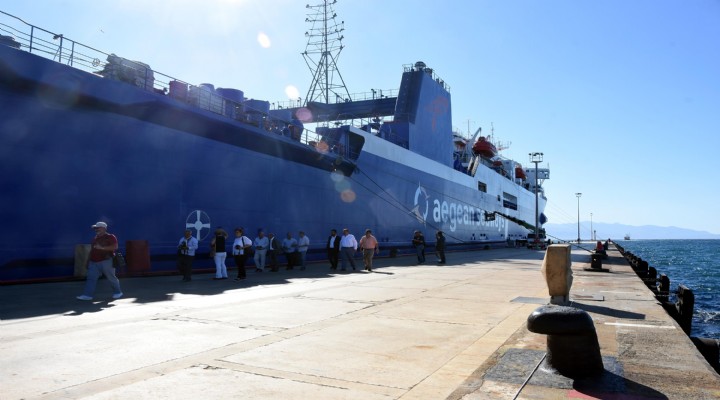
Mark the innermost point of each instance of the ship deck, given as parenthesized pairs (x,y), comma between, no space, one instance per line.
(405,331)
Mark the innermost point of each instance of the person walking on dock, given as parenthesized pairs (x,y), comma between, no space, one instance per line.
(261,245)
(418,243)
(100,262)
(186,253)
(333,249)
(240,248)
(273,248)
(289,246)
(440,247)
(369,247)
(348,246)
(219,253)
(302,247)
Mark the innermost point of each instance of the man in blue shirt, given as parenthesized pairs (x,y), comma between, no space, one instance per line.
(289,245)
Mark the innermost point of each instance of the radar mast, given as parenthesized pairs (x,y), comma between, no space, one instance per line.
(321,54)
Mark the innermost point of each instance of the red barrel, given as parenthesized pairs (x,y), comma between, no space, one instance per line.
(137,256)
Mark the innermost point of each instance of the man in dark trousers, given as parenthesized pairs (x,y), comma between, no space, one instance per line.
(186,253)
(272,252)
(333,249)
(440,247)
(418,243)
(241,250)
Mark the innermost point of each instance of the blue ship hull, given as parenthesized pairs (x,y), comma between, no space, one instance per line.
(78,148)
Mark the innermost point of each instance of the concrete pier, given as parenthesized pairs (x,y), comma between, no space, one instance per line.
(404,331)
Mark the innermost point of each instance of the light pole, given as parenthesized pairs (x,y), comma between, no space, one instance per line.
(536,158)
(592,237)
(578,197)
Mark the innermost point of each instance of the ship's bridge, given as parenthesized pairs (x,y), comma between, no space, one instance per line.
(420,110)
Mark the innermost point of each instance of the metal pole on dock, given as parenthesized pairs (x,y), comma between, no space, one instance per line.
(578,197)
(536,158)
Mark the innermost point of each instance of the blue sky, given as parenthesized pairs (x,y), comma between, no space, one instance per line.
(622,97)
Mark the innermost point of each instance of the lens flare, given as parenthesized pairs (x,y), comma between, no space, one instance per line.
(322,147)
(264,40)
(304,115)
(337,176)
(342,186)
(348,196)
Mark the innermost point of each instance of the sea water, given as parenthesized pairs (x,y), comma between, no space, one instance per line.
(693,263)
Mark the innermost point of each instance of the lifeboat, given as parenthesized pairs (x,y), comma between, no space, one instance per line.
(484,148)
(519,172)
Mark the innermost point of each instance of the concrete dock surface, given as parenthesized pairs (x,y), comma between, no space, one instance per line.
(403,331)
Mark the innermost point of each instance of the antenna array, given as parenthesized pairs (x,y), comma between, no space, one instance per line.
(322,52)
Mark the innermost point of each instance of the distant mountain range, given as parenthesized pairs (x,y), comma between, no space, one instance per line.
(618,231)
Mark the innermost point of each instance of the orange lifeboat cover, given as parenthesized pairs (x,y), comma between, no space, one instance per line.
(484,148)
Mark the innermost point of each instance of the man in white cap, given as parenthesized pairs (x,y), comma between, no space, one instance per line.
(100,262)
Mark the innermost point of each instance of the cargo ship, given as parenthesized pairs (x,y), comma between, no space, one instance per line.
(89,136)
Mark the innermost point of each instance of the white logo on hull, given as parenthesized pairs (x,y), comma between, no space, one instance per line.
(450,214)
(421,216)
(198,220)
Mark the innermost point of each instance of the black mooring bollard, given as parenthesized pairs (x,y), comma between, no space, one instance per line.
(641,268)
(685,306)
(651,279)
(663,287)
(710,349)
(572,343)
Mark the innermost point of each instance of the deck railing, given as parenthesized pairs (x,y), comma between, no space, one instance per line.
(19,34)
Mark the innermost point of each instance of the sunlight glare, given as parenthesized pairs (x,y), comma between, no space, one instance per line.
(264,40)
(292,92)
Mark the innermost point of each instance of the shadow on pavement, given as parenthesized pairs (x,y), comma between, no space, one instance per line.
(42,299)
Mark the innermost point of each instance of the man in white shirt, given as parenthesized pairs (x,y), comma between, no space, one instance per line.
(348,247)
(239,251)
(261,244)
(303,245)
(186,253)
